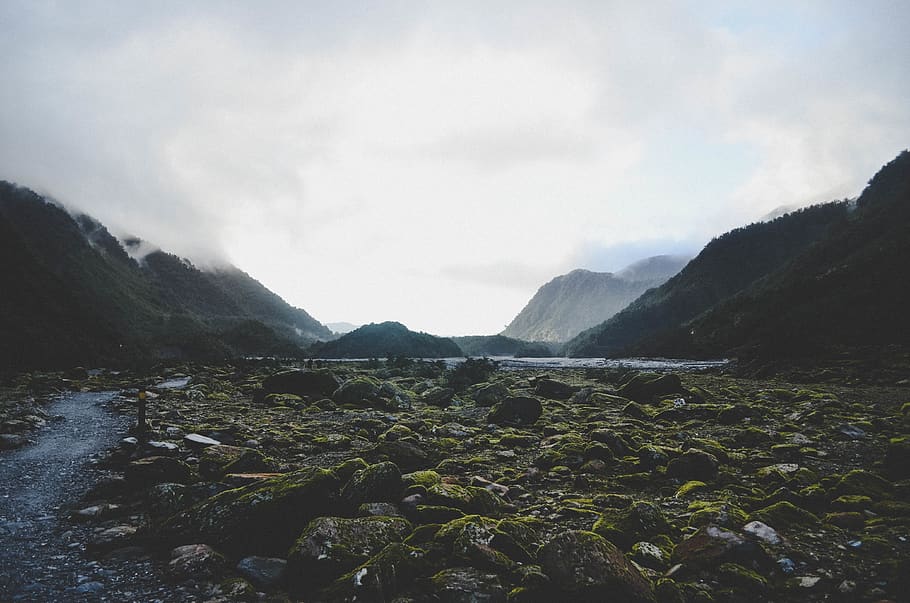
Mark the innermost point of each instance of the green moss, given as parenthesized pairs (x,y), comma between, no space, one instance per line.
(865,483)
(716,512)
(784,515)
(742,579)
(425,478)
(691,487)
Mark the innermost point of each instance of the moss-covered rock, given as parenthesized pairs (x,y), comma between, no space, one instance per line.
(157,470)
(331,546)
(785,516)
(640,521)
(262,518)
(360,391)
(467,585)
(646,387)
(216,461)
(377,483)
(318,383)
(864,483)
(488,394)
(517,410)
(693,465)
(712,546)
(587,567)
(380,578)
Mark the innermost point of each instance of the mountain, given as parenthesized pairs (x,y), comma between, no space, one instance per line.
(73,295)
(386,340)
(812,280)
(499,345)
(341,327)
(576,301)
(849,290)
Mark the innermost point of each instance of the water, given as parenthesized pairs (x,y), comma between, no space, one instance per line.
(558,363)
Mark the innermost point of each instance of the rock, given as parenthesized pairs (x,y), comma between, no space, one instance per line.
(379,509)
(645,387)
(711,546)
(382,577)
(397,398)
(266,572)
(156,470)
(519,410)
(851,431)
(129,443)
(613,441)
(11,441)
(216,461)
(470,499)
(195,561)
(488,394)
(409,456)
(359,391)
(95,512)
(438,396)
(262,518)
(784,515)
(467,585)
(92,587)
(106,539)
(196,440)
(587,567)
(897,457)
(161,447)
(647,554)
(641,520)
(554,390)
(377,483)
(693,465)
(762,531)
(477,541)
(331,546)
(318,383)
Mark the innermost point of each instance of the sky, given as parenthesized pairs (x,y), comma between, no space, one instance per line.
(435,163)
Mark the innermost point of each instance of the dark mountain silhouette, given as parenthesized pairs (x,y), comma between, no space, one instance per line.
(386,340)
(72,294)
(576,301)
(808,282)
(499,345)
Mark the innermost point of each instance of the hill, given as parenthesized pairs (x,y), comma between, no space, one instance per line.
(386,340)
(499,345)
(573,302)
(73,295)
(810,282)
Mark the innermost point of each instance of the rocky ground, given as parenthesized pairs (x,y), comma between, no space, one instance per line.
(408,482)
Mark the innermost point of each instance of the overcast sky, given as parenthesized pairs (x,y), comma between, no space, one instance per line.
(436,162)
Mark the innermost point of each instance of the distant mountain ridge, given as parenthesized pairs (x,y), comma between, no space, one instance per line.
(804,283)
(72,294)
(573,302)
(386,340)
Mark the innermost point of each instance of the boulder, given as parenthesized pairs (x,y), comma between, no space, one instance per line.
(216,461)
(263,518)
(693,465)
(359,391)
(646,387)
(197,440)
(712,546)
(331,546)
(587,567)
(553,389)
(467,585)
(156,470)
(380,578)
(266,572)
(318,383)
(518,410)
(438,396)
(488,394)
(195,561)
(377,483)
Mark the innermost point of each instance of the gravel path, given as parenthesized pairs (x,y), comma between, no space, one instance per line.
(42,554)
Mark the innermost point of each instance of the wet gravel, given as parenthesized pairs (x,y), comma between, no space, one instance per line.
(43,555)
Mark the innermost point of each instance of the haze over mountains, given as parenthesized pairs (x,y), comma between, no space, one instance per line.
(581,299)
(72,294)
(806,282)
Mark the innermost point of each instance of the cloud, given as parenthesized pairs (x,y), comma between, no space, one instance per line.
(431,162)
